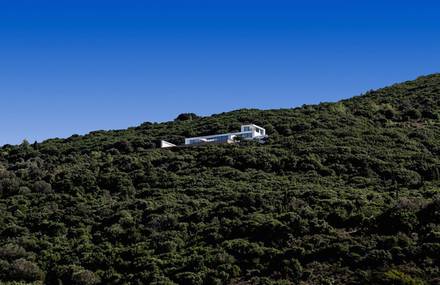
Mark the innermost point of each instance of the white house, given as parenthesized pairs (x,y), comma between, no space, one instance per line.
(248,132)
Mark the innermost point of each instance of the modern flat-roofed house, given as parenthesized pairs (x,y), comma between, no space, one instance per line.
(248,132)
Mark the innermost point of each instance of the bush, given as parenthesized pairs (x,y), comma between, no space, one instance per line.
(25,270)
(395,277)
(42,187)
(189,278)
(85,277)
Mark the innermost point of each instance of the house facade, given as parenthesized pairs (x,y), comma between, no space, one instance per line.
(248,132)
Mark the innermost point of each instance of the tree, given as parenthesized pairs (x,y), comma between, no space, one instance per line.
(187,117)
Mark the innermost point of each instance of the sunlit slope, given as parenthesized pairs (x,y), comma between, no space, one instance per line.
(342,193)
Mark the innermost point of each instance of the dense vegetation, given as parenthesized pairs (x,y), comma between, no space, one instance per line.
(342,193)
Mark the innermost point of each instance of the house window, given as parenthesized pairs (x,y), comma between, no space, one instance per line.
(221,138)
(247,129)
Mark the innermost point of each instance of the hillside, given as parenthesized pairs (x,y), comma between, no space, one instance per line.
(342,193)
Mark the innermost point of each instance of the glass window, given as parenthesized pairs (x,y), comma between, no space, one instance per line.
(224,138)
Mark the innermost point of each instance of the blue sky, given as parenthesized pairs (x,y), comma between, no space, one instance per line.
(70,67)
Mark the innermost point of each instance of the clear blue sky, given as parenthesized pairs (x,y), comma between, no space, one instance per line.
(75,66)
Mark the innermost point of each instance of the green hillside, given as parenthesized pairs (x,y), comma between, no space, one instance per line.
(342,193)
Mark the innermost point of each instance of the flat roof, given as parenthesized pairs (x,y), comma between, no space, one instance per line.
(253,126)
(218,135)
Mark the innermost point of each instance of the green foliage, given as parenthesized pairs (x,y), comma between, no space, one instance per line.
(187,117)
(396,277)
(341,193)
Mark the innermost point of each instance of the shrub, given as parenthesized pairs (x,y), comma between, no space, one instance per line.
(25,270)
